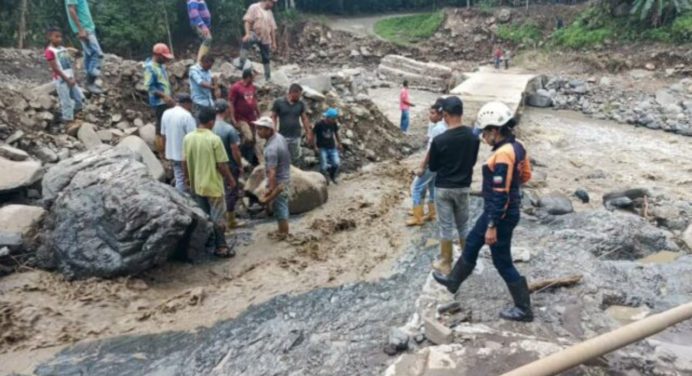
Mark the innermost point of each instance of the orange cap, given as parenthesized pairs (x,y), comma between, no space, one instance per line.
(163,50)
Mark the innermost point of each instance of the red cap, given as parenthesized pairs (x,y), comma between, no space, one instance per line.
(163,50)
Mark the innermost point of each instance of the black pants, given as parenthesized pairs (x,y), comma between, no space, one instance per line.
(158,112)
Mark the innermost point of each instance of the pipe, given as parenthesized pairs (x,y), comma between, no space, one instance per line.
(605,343)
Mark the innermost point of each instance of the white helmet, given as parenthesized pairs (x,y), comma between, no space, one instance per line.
(494,114)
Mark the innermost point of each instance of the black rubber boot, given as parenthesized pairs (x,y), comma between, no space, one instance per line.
(459,273)
(333,171)
(522,302)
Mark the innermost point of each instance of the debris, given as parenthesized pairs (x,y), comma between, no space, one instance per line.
(569,281)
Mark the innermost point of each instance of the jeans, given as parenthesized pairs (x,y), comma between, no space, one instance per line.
(452,206)
(405,120)
(179,176)
(215,207)
(421,184)
(92,55)
(232,193)
(70,99)
(501,251)
(295,150)
(265,49)
(329,157)
(280,205)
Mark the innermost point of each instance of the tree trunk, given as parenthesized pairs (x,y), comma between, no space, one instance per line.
(21,32)
(468,4)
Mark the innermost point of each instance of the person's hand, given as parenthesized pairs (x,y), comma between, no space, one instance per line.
(168,100)
(491,236)
(274,46)
(264,199)
(82,34)
(247,38)
(231,183)
(206,32)
(418,172)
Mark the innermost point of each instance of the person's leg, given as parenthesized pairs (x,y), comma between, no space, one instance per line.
(417,191)
(265,53)
(158,142)
(467,262)
(179,176)
(334,163)
(324,163)
(445,222)
(204,46)
(281,213)
(461,213)
(429,178)
(294,150)
(404,121)
(92,61)
(65,99)
(77,98)
(231,201)
(217,213)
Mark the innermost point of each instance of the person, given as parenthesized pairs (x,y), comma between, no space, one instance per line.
(328,144)
(79,18)
(425,179)
(507,57)
(176,123)
(70,95)
(405,107)
(243,99)
(452,156)
(202,85)
(287,114)
(260,29)
(158,86)
(231,142)
(498,57)
(503,173)
(205,163)
(200,20)
(278,172)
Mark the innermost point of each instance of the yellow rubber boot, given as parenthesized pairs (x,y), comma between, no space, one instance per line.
(431,212)
(233,222)
(417,218)
(444,264)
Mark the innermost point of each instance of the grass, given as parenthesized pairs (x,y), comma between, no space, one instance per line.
(526,33)
(407,30)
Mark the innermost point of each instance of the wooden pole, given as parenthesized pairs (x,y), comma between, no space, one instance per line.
(21,32)
(605,343)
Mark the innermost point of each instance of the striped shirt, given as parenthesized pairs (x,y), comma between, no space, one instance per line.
(199,14)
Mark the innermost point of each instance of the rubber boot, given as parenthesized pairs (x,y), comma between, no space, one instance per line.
(267,72)
(444,264)
(522,302)
(283,230)
(326,175)
(431,212)
(333,172)
(233,222)
(417,218)
(453,280)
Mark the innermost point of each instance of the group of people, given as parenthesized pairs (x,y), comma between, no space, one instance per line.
(445,175)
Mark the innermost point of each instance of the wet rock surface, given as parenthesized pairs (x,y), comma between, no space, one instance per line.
(108,217)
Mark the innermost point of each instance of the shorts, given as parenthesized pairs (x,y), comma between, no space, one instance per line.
(280,205)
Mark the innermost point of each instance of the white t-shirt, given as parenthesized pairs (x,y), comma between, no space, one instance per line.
(434,130)
(175,124)
(62,56)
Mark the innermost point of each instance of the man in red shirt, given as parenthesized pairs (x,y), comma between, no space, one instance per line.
(243,98)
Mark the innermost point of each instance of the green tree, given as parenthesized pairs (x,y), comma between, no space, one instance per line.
(656,12)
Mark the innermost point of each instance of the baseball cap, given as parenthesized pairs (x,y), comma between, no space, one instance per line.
(183,98)
(453,106)
(331,113)
(264,121)
(163,50)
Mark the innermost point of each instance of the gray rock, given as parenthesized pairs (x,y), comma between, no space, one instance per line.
(632,194)
(308,189)
(666,98)
(16,223)
(146,156)
(313,94)
(582,195)
(148,134)
(87,134)
(619,202)
(541,99)
(398,340)
(437,332)
(556,204)
(687,237)
(16,175)
(504,15)
(321,83)
(14,137)
(108,217)
(46,154)
(13,154)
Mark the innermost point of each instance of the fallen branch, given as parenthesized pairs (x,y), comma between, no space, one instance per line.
(555,282)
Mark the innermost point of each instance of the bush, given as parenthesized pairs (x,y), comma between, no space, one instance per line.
(409,29)
(681,30)
(527,33)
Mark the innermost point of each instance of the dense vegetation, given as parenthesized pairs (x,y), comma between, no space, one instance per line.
(409,29)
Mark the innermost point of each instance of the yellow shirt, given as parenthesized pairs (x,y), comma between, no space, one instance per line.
(203,150)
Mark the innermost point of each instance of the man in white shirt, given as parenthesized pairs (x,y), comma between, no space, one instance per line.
(175,124)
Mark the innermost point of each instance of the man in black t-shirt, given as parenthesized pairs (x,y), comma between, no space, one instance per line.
(327,142)
(287,114)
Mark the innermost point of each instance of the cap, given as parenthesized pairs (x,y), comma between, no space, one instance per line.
(331,113)
(163,50)
(183,98)
(264,121)
(453,106)
(221,105)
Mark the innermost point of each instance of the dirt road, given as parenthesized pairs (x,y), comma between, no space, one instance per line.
(361,26)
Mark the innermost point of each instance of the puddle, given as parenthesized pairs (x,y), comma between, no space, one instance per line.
(663,257)
(626,315)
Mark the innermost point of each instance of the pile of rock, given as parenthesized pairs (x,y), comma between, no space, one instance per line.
(420,75)
(669,109)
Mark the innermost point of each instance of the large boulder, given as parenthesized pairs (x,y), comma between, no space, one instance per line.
(540,98)
(88,135)
(146,156)
(308,189)
(556,204)
(320,82)
(108,217)
(18,174)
